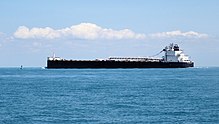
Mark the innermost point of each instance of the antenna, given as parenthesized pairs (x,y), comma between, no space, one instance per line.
(53,55)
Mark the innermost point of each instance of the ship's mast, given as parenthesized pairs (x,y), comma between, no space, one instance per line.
(53,56)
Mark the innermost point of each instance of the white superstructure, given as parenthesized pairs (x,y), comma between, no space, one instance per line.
(174,54)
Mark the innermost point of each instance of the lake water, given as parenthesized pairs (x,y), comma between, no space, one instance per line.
(123,96)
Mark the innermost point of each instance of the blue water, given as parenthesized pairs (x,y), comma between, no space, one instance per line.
(123,96)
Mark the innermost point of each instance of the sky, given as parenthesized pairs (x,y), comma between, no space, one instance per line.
(32,30)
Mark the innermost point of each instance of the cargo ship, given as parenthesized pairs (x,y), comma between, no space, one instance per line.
(173,57)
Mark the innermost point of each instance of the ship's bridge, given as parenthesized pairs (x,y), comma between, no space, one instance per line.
(174,54)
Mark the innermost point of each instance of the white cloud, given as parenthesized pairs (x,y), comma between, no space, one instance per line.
(86,31)
(4,37)
(26,33)
(89,31)
(178,33)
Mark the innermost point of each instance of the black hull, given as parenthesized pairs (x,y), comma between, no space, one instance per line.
(115,64)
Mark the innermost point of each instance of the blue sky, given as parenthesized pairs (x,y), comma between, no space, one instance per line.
(32,30)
